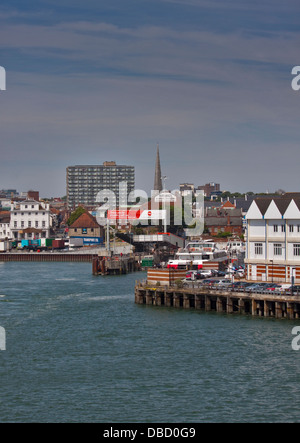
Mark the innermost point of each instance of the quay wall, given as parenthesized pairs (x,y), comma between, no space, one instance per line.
(46,257)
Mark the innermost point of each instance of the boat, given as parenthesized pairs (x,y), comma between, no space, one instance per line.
(195,254)
(235,245)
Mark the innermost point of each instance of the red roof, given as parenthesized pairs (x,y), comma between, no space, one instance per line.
(85,220)
(228,204)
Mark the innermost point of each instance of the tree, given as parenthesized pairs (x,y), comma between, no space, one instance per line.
(75,215)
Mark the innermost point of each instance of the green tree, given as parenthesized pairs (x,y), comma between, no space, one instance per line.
(74,216)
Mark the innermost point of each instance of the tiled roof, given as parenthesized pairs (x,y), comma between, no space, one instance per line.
(281,201)
(85,220)
(4,216)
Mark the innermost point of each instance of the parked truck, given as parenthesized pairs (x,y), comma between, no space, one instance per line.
(5,246)
(58,244)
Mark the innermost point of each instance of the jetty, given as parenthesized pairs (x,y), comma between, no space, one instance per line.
(223,300)
(115,265)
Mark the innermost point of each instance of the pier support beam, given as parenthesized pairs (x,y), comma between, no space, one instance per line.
(207,303)
(176,300)
(149,300)
(219,304)
(197,301)
(254,308)
(229,307)
(186,301)
(168,298)
(241,306)
(290,310)
(278,309)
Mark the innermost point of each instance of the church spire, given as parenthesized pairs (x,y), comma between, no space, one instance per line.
(157,177)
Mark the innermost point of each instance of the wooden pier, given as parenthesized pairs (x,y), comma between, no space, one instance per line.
(114,265)
(205,299)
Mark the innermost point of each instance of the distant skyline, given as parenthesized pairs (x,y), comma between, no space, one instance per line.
(210,81)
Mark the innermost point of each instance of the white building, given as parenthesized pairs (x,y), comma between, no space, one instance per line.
(5,232)
(273,239)
(30,220)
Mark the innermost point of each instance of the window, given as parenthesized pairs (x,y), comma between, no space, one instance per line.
(15,224)
(22,224)
(36,224)
(291,228)
(277,249)
(296,248)
(258,248)
(275,228)
(29,224)
(43,224)
(282,228)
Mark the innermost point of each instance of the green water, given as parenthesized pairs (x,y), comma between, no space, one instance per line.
(78,349)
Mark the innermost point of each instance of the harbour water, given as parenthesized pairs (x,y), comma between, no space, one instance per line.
(78,349)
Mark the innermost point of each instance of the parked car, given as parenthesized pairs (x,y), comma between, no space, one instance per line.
(191,275)
(295,290)
(221,273)
(241,284)
(224,282)
(206,273)
(254,287)
(274,287)
(208,281)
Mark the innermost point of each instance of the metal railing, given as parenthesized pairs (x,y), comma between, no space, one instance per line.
(232,288)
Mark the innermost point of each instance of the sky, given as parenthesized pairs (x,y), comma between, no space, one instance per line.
(95,81)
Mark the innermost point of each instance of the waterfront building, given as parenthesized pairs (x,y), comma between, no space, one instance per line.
(273,238)
(85,181)
(30,219)
(86,229)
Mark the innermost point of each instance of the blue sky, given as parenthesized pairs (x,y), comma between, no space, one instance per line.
(94,81)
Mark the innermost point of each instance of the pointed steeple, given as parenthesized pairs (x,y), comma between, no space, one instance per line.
(157,177)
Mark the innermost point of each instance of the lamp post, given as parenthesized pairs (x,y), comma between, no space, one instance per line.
(293,279)
(272,261)
(164,178)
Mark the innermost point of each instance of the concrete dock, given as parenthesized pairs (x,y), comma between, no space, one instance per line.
(226,301)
